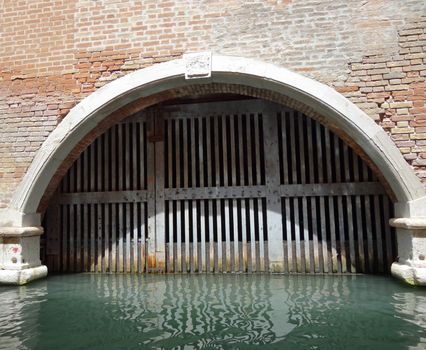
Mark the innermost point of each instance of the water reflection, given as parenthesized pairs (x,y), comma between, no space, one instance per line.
(19,315)
(212,312)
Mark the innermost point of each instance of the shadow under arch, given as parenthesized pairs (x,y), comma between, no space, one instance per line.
(151,85)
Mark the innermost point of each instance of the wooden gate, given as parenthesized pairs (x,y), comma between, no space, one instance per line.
(241,186)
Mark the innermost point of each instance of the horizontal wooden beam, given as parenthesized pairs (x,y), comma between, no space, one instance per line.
(332,189)
(103,197)
(231,192)
(215,192)
(296,190)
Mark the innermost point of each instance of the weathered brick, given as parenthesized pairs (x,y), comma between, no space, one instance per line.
(54,56)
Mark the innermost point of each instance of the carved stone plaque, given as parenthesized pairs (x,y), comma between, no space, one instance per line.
(198,65)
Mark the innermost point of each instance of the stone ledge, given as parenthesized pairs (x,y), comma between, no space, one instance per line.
(409,223)
(21,277)
(21,231)
(416,276)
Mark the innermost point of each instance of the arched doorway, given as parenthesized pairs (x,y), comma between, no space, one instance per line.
(198,73)
(189,186)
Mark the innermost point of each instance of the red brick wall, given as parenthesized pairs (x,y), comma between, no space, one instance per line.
(54,53)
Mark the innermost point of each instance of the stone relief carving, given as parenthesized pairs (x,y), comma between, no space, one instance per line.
(198,65)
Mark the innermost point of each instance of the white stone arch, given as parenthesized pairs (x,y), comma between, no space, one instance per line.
(224,69)
(85,116)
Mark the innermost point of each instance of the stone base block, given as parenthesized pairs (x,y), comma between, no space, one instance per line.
(415,276)
(20,277)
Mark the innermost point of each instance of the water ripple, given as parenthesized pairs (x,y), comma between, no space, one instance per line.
(212,312)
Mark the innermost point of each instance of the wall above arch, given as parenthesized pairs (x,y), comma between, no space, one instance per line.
(205,68)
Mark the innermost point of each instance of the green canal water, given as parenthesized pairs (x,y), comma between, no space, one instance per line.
(85,311)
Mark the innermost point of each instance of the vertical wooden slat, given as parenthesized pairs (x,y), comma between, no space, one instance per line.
(201,122)
(93,230)
(378,232)
(120,146)
(233,170)
(252,258)
(186,257)
(78,234)
(194,258)
(209,153)
(306,262)
(78,164)
(368,223)
(217,150)
(170,154)
(128,211)
(243,252)
(99,250)
(172,256)
(185,153)
(107,187)
(236,255)
(274,216)
(227,244)
(134,246)
(86,187)
(257,140)
(144,229)
(210,246)
(295,224)
(72,236)
(85,264)
(325,256)
(301,139)
(159,244)
(249,150)
(347,178)
(359,233)
(150,238)
(177,153)
(226,151)
(107,232)
(388,232)
(127,147)
(203,236)
(341,233)
(64,229)
(99,187)
(261,235)
(218,243)
(291,117)
(178,228)
(297,231)
(142,149)
(315,232)
(341,229)
(324,251)
(193,150)
(113,254)
(284,117)
(233,150)
(227,228)
(329,154)
(305,243)
(121,228)
(216,132)
(241,150)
